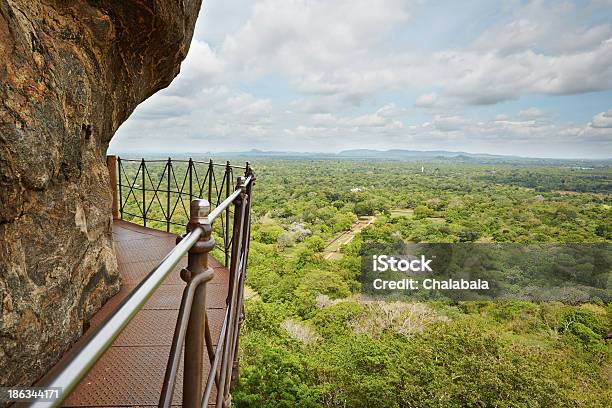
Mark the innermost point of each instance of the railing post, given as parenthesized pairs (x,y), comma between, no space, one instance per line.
(144,201)
(168,195)
(210,180)
(197,263)
(119,170)
(190,170)
(246,239)
(226,239)
(233,298)
(111,165)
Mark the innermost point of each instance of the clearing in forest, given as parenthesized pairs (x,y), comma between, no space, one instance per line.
(332,250)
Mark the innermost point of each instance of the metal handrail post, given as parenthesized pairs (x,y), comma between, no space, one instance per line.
(120,187)
(144,200)
(190,170)
(226,244)
(210,181)
(223,396)
(197,264)
(245,255)
(168,195)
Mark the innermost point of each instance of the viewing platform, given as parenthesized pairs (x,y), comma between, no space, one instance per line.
(131,371)
(170,336)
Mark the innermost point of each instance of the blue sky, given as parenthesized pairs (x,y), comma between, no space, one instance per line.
(525,78)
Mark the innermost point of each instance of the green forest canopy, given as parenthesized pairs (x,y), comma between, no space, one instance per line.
(310,340)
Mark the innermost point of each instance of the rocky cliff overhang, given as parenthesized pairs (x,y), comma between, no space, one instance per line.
(70,73)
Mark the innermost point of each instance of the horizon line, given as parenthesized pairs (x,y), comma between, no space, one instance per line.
(336,153)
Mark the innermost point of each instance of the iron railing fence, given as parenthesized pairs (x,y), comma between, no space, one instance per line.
(192,326)
(157,193)
(192,331)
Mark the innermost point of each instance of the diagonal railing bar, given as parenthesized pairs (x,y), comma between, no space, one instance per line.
(218,191)
(199,186)
(180,196)
(194,171)
(203,184)
(182,189)
(131,190)
(178,191)
(208,176)
(165,189)
(156,190)
(218,195)
(185,178)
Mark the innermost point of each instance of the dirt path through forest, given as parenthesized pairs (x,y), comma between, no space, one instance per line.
(332,250)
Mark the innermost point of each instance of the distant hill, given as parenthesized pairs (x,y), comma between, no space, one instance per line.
(274,153)
(414,154)
(366,153)
(392,154)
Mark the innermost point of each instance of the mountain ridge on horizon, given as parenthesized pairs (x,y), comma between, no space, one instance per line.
(373,154)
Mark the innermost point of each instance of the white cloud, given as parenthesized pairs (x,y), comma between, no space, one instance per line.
(385,117)
(491,78)
(390,110)
(450,123)
(335,50)
(501,117)
(301,73)
(531,113)
(602,120)
(304,37)
(548,26)
(426,100)
(202,68)
(246,104)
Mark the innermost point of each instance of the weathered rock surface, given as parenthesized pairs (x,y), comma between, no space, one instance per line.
(71,71)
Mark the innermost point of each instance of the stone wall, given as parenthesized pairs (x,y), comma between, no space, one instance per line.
(70,73)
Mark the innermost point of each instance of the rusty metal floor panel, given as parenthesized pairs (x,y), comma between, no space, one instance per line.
(130,373)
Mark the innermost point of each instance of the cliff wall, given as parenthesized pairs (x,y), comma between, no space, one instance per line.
(71,72)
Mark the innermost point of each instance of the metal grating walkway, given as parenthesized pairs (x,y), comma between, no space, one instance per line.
(131,372)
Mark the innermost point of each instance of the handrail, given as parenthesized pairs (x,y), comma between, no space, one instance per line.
(215,362)
(192,330)
(160,195)
(182,161)
(179,337)
(221,207)
(101,340)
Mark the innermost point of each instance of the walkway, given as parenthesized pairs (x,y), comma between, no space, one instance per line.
(131,372)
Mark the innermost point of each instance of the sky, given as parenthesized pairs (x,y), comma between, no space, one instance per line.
(528,78)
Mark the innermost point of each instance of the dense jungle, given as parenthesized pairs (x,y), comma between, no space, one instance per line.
(311,339)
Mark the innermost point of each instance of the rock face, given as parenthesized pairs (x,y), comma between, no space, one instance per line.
(71,71)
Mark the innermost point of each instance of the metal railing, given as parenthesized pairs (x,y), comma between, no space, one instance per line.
(157,193)
(192,326)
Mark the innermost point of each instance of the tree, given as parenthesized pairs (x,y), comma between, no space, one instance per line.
(269,234)
(422,211)
(364,208)
(315,243)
